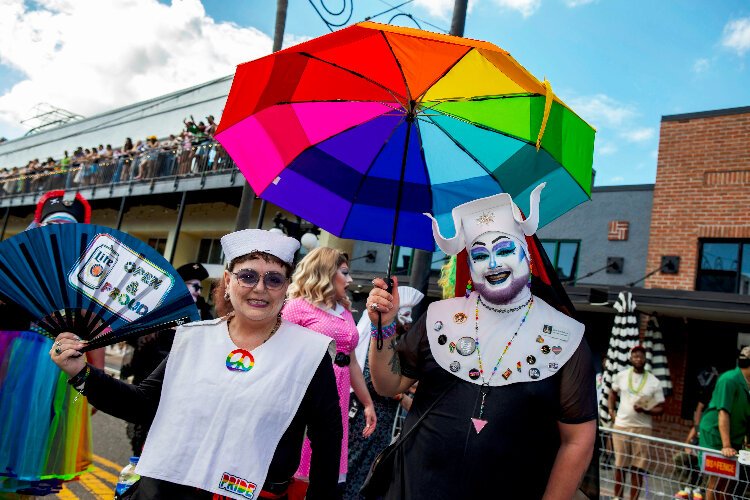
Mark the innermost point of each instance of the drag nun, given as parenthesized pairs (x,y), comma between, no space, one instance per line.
(506,384)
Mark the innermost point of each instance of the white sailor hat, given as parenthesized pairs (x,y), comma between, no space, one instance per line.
(247,241)
(493,213)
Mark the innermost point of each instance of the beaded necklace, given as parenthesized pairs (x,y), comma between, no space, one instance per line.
(486,383)
(640,386)
(505,311)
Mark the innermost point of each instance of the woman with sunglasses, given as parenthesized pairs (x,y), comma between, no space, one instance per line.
(231,403)
(318,301)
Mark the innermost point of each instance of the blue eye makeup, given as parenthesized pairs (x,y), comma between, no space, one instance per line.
(504,248)
(479,254)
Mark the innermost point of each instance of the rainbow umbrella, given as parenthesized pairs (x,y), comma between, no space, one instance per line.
(363,130)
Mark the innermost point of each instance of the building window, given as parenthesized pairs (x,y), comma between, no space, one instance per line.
(158,244)
(405,259)
(210,252)
(724,266)
(564,257)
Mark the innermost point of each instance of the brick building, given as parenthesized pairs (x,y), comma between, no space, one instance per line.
(701,215)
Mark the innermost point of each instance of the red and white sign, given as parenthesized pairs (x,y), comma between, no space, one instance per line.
(618,230)
(719,465)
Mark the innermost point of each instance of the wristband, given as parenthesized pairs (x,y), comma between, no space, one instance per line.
(388,331)
(79,380)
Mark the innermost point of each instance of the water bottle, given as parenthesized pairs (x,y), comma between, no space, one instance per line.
(127,478)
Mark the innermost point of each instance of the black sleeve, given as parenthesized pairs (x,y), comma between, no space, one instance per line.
(578,388)
(413,348)
(134,403)
(325,431)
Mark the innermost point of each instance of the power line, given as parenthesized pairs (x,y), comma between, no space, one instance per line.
(413,17)
(330,23)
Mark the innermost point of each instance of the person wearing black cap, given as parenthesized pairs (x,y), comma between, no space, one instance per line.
(192,274)
(641,397)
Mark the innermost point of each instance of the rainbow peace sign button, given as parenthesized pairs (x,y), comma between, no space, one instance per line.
(240,360)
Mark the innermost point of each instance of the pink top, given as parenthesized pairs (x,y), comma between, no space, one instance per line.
(343,331)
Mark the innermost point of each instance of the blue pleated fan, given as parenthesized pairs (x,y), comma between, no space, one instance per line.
(97,282)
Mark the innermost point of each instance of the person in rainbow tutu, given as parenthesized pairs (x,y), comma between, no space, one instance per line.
(45,428)
(506,403)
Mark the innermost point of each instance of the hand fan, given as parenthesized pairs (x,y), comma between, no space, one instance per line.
(97,282)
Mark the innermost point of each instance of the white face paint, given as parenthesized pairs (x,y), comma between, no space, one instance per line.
(404,316)
(499,267)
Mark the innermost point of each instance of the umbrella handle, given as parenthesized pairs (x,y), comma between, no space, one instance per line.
(379,343)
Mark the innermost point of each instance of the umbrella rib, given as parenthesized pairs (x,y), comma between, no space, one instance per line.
(479,98)
(447,70)
(484,127)
(462,148)
(400,69)
(424,161)
(358,75)
(369,167)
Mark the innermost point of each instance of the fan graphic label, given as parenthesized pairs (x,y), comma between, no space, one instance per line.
(119,279)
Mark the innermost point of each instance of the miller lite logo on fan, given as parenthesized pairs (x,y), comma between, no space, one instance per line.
(98,266)
(109,273)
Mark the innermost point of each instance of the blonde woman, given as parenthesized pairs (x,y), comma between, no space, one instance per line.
(318,301)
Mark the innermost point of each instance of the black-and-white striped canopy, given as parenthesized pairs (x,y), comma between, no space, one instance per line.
(656,355)
(624,337)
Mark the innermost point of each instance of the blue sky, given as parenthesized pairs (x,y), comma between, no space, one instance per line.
(620,64)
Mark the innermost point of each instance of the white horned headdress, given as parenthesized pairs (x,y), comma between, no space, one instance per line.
(493,213)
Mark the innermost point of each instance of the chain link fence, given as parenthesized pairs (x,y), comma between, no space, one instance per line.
(660,468)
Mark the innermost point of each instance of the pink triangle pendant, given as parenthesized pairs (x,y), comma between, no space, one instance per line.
(478,424)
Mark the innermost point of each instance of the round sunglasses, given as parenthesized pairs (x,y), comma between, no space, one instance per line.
(249,278)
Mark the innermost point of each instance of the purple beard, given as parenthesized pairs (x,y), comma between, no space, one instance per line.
(505,295)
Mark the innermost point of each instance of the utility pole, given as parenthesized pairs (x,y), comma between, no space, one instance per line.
(422,262)
(248,196)
(459,17)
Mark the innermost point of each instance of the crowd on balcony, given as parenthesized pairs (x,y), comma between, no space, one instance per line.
(190,152)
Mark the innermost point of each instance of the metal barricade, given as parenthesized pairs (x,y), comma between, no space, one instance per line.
(670,469)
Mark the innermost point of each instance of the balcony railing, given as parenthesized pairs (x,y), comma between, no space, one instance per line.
(202,159)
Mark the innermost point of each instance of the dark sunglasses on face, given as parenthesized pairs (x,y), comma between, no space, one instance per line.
(249,278)
(197,287)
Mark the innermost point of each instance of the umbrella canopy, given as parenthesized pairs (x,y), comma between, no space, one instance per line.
(624,337)
(363,130)
(656,355)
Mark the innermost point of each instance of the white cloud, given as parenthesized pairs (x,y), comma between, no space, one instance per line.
(737,35)
(701,65)
(641,134)
(437,8)
(290,40)
(617,178)
(442,9)
(601,110)
(88,56)
(606,148)
(578,3)
(525,7)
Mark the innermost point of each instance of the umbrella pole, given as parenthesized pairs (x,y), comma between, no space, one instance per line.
(409,123)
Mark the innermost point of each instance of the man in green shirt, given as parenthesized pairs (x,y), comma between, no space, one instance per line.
(724,424)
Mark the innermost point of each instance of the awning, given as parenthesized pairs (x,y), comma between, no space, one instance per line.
(711,306)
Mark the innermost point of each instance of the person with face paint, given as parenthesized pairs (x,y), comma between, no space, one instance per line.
(506,381)
(641,397)
(362,451)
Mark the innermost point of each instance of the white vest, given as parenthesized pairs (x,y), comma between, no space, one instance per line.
(545,341)
(217,429)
